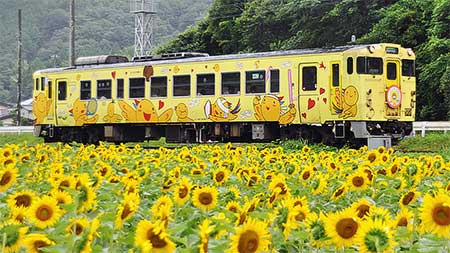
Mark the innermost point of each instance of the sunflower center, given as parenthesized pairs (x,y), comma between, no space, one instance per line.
(248,242)
(358,181)
(78,228)
(125,212)
(220,176)
(362,210)
(394,168)
(156,241)
(6,178)
(306,175)
(441,215)
(339,192)
(182,192)
(40,244)
(346,228)
(403,222)
(300,216)
(23,200)
(8,162)
(408,198)
(44,213)
(372,157)
(282,187)
(205,198)
(233,209)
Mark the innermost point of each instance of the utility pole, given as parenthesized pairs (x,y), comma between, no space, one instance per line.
(19,67)
(72,33)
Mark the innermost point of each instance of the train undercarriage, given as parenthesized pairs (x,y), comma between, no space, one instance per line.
(332,133)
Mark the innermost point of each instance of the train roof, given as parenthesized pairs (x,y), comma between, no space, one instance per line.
(207,58)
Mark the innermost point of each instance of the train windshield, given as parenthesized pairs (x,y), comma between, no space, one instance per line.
(369,65)
(408,68)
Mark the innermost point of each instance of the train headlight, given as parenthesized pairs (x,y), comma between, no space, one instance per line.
(371,49)
(410,51)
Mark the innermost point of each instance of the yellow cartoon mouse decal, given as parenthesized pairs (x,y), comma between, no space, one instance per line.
(270,108)
(221,110)
(81,112)
(346,104)
(182,112)
(144,111)
(41,107)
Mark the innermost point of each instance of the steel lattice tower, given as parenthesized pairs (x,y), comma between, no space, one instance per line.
(143,26)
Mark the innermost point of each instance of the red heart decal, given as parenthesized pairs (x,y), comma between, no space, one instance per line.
(311,104)
(161,104)
(304,115)
(113,74)
(325,100)
(322,90)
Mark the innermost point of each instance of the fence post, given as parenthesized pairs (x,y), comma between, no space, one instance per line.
(423,129)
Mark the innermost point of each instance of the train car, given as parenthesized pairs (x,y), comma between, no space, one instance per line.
(329,95)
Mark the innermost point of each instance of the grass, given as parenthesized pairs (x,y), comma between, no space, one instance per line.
(24,138)
(438,143)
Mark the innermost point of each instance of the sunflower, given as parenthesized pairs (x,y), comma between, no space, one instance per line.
(252,237)
(21,199)
(342,227)
(87,195)
(44,212)
(404,218)
(339,192)
(181,192)
(316,227)
(8,177)
(358,181)
(62,197)
(152,237)
(435,214)
(35,242)
(372,157)
(205,231)
(362,207)
(233,206)
(78,226)
(278,184)
(14,234)
(205,198)
(220,176)
(163,202)
(374,236)
(379,213)
(126,209)
(408,198)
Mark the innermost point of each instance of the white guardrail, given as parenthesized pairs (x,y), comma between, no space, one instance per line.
(419,126)
(16,129)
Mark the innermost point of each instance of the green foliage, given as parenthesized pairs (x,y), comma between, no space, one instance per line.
(102,27)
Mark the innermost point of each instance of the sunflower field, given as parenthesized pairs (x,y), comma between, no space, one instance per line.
(219,198)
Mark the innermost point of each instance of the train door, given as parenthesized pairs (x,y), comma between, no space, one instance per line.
(60,97)
(309,93)
(393,89)
(50,97)
(335,86)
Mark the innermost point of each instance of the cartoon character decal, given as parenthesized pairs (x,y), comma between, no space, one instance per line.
(144,111)
(111,116)
(270,108)
(41,107)
(81,112)
(181,110)
(345,104)
(221,110)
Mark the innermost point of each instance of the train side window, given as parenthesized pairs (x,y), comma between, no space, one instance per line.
(391,71)
(231,83)
(42,83)
(37,84)
(275,81)
(120,88)
(309,78)
(350,65)
(85,90)
(408,68)
(137,87)
(255,82)
(369,65)
(335,75)
(104,89)
(205,84)
(62,90)
(182,86)
(49,89)
(158,86)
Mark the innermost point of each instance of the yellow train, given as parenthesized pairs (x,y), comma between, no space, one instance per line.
(330,95)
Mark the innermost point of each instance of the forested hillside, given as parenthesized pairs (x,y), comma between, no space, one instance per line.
(261,25)
(103,27)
